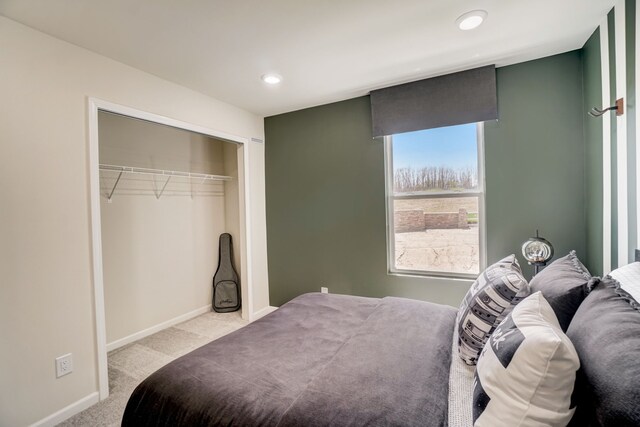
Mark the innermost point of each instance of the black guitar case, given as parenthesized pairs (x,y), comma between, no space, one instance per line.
(226,286)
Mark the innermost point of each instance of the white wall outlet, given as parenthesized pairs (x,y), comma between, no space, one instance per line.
(324,290)
(64,365)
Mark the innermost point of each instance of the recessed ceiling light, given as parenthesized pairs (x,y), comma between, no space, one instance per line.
(272,79)
(471,20)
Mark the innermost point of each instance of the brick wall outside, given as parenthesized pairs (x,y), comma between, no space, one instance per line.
(418,220)
(463,218)
(408,221)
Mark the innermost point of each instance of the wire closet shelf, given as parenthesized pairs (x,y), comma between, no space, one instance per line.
(129,180)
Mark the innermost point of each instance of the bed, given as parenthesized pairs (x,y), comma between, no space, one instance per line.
(326,360)
(321,359)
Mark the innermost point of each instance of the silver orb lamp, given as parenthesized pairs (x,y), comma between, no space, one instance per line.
(537,251)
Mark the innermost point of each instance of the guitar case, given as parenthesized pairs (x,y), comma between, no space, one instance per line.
(226,285)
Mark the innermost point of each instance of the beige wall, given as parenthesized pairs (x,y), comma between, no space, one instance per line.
(46,293)
(151,145)
(159,255)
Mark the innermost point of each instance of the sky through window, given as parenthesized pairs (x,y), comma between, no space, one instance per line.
(453,146)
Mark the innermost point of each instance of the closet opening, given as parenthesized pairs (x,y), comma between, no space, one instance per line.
(162,192)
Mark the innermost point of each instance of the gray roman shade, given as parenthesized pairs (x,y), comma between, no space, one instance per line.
(453,99)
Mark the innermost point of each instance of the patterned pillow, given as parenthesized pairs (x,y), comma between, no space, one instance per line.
(489,300)
(526,372)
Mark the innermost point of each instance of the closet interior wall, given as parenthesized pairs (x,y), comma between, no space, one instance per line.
(160,242)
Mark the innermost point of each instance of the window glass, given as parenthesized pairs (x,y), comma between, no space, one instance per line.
(436,202)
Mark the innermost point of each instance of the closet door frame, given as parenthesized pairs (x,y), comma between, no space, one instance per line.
(94,105)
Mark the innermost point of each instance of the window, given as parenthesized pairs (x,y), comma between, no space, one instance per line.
(435,201)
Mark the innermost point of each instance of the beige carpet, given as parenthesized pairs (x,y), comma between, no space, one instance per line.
(131,364)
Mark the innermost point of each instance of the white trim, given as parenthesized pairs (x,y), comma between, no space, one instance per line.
(621,133)
(245,232)
(436,194)
(481,200)
(157,118)
(96,253)
(93,106)
(606,148)
(388,195)
(68,411)
(157,328)
(263,312)
(637,110)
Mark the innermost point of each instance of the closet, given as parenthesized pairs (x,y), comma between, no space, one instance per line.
(166,195)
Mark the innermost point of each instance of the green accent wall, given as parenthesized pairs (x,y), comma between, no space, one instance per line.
(325,186)
(326,214)
(592,88)
(534,157)
(592,95)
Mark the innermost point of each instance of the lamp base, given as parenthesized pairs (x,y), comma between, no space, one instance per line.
(537,266)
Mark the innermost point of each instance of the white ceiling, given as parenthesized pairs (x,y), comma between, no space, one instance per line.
(326,50)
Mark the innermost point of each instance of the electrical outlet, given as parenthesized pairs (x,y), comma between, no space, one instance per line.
(64,365)
(324,290)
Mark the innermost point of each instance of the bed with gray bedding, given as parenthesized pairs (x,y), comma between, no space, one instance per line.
(320,359)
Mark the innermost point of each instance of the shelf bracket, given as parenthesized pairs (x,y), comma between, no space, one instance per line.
(199,186)
(114,186)
(202,183)
(163,187)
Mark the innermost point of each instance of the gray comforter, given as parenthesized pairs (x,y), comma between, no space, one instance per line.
(319,360)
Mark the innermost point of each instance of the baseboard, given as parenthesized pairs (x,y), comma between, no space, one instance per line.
(94,398)
(263,312)
(69,411)
(157,328)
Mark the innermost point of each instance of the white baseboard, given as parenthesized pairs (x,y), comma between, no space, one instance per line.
(152,330)
(69,411)
(263,312)
(94,398)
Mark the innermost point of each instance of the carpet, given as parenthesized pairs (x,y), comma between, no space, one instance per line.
(130,364)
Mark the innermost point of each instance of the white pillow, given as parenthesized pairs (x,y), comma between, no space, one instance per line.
(526,371)
(629,278)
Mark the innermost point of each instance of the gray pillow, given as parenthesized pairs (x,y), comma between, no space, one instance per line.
(489,300)
(564,284)
(606,334)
